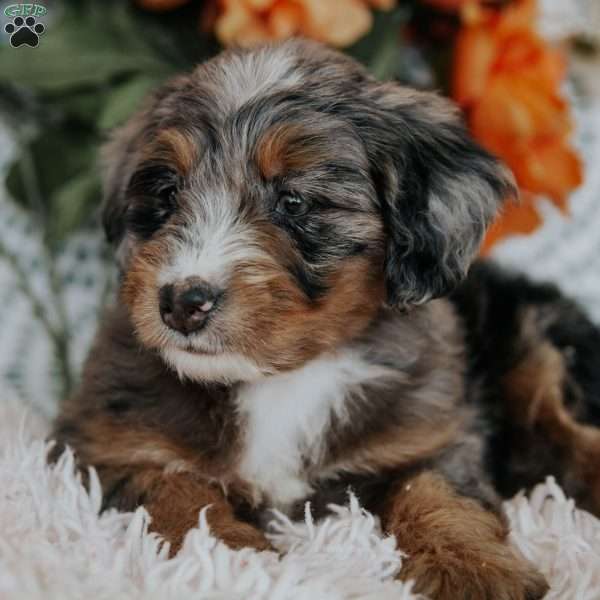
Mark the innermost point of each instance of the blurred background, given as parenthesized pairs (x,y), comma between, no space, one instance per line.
(526,74)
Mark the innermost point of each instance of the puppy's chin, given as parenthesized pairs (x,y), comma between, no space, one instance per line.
(224,367)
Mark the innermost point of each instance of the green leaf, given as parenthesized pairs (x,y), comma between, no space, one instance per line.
(83,47)
(59,152)
(73,205)
(124,99)
(78,105)
(381,49)
(95,63)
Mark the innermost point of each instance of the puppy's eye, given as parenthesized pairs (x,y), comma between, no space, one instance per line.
(292,205)
(154,200)
(168,197)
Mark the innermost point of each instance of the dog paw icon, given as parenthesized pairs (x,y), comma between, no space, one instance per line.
(24,32)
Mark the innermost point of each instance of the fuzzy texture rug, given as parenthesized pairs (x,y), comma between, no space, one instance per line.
(54,545)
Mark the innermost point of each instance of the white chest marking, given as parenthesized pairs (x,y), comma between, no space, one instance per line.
(285,419)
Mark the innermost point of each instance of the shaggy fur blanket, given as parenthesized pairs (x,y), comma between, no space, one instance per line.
(54,544)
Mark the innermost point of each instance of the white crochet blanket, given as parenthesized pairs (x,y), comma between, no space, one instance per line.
(55,546)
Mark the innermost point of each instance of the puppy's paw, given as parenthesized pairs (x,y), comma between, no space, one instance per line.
(236,535)
(241,535)
(457,548)
(475,580)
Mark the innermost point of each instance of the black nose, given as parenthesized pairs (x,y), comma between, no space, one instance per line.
(185,307)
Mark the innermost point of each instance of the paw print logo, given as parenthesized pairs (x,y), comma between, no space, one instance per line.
(24,32)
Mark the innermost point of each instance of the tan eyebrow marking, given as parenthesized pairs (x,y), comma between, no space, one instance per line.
(176,148)
(289,147)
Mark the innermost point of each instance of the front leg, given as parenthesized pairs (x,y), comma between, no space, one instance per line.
(142,467)
(456,548)
(174,502)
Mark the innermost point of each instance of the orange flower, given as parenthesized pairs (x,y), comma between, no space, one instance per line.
(335,22)
(508,81)
(523,219)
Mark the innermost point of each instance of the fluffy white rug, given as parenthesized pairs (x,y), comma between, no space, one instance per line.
(54,545)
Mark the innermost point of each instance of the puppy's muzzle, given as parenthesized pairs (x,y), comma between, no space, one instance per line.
(186,306)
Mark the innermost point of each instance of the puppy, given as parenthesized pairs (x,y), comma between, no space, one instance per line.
(286,228)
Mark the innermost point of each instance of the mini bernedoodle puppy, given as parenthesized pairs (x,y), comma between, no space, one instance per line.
(295,320)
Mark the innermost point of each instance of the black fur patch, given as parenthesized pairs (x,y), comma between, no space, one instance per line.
(492,304)
(153,191)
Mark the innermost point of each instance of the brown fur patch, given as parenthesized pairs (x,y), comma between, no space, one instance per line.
(455,548)
(268,307)
(290,147)
(106,443)
(175,501)
(139,466)
(397,447)
(534,391)
(174,147)
(140,291)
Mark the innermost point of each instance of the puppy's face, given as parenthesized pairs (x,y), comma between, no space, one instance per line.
(267,205)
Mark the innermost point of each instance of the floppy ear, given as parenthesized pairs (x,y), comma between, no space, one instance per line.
(121,155)
(118,158)
(438,191)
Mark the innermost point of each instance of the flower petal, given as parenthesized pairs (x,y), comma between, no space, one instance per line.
(285,19)
(238,24)
(550,168)
(522,218)
(337,22)
(474,55)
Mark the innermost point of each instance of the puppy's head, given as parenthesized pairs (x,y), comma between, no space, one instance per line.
(268,204)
